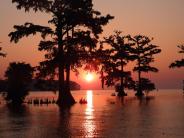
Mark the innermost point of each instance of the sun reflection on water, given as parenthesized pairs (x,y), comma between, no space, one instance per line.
(89,98)
(89,124)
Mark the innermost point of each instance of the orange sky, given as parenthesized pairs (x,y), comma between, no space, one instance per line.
(161,19)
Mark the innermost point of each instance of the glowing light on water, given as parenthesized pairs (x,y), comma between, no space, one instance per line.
(89,124)
(89,108)
(89,98)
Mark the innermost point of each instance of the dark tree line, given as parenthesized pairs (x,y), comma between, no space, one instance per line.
(124,49)
(72,43)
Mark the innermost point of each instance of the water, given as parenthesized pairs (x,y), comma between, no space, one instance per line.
(159,116)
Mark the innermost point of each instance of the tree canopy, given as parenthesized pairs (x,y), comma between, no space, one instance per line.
(76,26)
(178,63)
(120,54)
(18,75)
(144,52)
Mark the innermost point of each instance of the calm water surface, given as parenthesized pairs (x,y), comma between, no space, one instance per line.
(159,116)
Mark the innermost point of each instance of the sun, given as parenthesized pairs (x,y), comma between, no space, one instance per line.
(89,77)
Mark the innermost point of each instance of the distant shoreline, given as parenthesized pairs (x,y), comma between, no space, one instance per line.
(42,85)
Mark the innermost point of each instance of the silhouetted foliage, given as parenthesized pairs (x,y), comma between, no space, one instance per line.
(79,45)
(144,52)
(2,54)
(120,54)
(75,24)
(3,86)
(18,75)
(146,85)
(178,63)
(96,60)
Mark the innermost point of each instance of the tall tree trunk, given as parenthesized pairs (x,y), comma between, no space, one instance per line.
(68,77)
(122,88)
(61,83)
(65,98)
(67,83)
(70,97)
(139,89)
(139,84)
(102,79)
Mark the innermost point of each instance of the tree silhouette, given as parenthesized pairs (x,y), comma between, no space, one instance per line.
(2,54)
(178,63)
(18,75)
(120,55)
(69,18)
(79,45)
(144,52)
(146,85)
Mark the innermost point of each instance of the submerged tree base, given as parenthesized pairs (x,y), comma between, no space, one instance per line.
(139,94)
(66,100)
(122,93)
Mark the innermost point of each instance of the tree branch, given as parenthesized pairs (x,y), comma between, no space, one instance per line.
(29,29)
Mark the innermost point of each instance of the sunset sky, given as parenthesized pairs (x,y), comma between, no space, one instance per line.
(161,19)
